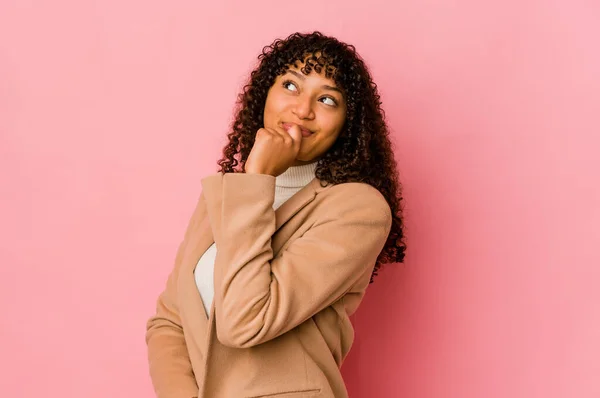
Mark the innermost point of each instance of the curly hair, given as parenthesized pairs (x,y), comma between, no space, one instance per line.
(361,153)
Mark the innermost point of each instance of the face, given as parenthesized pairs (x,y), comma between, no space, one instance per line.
(312,102)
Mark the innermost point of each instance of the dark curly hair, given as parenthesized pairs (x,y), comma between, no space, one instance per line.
(362,151)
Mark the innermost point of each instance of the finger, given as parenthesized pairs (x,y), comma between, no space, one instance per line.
(296,135)
(275,132)
(288,135)
(282,134)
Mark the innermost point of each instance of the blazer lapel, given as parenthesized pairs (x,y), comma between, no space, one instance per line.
(191,305)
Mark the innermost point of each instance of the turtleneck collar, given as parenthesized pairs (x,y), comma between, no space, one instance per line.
(296,176)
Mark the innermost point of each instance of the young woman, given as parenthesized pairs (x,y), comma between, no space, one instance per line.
(286,237)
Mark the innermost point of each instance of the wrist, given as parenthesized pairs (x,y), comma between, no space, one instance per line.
(258,171)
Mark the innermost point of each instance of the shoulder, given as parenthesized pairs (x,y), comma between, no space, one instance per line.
(354,196)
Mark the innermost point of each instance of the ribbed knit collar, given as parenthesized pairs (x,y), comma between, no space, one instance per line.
(296,176)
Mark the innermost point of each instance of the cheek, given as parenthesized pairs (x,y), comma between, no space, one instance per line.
(272,104)
(333,125)
(275,102)
(268,112)
(331,132)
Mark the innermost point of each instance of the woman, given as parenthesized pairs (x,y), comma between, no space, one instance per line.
(286,237)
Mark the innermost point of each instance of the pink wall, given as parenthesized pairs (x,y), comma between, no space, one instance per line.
(112,111)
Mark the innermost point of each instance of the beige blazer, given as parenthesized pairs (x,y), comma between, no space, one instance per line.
(285,284)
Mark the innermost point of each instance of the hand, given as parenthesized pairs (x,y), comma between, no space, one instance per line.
(274,150)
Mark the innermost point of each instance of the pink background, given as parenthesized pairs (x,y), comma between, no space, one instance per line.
(112,111)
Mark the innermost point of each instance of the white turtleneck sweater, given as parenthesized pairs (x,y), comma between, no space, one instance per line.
(286,185)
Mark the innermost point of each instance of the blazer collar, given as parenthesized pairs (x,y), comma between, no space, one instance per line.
(202,241)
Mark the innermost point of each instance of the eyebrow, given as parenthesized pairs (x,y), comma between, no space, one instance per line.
(325,86)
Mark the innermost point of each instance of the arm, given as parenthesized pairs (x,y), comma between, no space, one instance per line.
(170,367)
(258,297)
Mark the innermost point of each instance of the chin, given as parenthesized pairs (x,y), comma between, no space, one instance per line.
(306,159)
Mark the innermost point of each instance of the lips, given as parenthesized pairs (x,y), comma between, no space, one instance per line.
(305,132)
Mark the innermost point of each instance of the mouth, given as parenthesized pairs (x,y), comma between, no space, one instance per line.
(305,132)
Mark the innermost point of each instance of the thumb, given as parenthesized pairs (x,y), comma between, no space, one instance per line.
(296,135)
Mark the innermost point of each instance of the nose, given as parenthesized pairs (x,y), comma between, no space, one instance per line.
(303,108)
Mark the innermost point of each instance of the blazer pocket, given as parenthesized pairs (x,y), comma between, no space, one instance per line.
(296,394)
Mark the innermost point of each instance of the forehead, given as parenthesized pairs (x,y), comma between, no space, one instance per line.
(302,74)
(313,67)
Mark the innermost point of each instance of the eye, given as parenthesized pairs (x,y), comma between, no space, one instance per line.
(332,102)
(288,83)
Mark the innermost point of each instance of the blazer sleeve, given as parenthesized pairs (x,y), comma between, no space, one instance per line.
(258,297)
(169,362)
